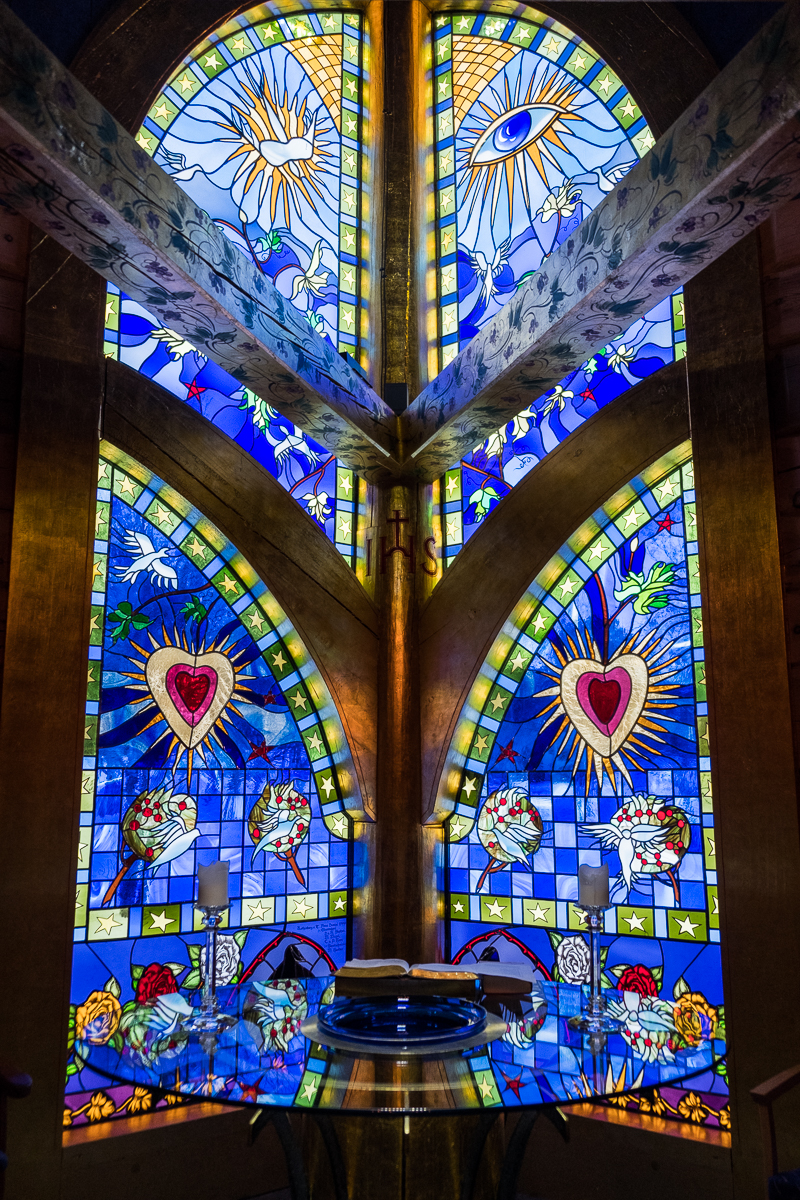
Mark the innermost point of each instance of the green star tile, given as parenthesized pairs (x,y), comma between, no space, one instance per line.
(668,490)
(211,62)
(350,49)
(271,34)
(700,681)
(688,476)
(713,906)
(346,487)
(635,921)
(163,112)
(540,623)
(580,62)
(348,319)
(687,926)
(697,626)
(597,552)
(632,519)
(308,1091)
(627,111)
(447,201)
(678,315)
(497,702)
(446,130)
(482,744)
(710,848)
(605,84)
(703,747)
(96,625)
(539,912)
(107,924)
(87,789)
(517,662)
(185,84)
(326,786)
(90,736)
(523,33)
(470,789)
(302,908)
(331,22)
(443,50)
(84,847)
(101,525)
(496,909)
(459,907)
(690,519)
(126,487)
(706,798)
(494,27)
(254,621)
(161,515)
(459,827)
(552,46)
(93,680)
(338,904)
(314,739)
(487,1088)
(239,45)
(279,660)
(228,586)
(161,919)
(644,141)
(299,701)
(81,898)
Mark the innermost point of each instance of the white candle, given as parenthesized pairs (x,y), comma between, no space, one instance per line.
(593,886)
(212,885)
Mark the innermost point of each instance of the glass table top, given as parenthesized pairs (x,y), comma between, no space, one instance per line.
(264,1059)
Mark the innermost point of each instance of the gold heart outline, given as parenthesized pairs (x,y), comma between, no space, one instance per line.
(156,674)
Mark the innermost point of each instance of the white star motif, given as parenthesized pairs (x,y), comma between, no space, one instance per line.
(256,621)
(687,925)
(315,743)
(631,517)
(456,829)
(345,484)
(715,909)
(647,140)
(580,62)
(339,825)
(668,488)
(458,906)
(597,550)
(518,661)
(537,914)
(628,109)
(340,905)
(485,1088)
(712,847)
(299,700)
(634,922)
(539,624)
(327,784)
(605,85)
(463,23)
(211,62)
(469,787)
(451,486)
(301,907)
(480,743)
(567,587)
(497,702)
(309,1089)
(259,911)
(495,909)
(160,921)
(106,923)
(279,660)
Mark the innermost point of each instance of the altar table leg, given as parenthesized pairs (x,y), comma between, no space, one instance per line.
(518,1142)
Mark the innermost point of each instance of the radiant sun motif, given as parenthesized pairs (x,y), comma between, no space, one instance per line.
(518,126)
(279,147)
(607,712)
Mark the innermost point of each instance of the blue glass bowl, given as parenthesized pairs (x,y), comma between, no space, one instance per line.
(399,1022)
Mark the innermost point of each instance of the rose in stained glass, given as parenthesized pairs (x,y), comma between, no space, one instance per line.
(279,822)
(638,979)
(695,1019)
(573,960)
(98,1018)
(228,959)
(155,980)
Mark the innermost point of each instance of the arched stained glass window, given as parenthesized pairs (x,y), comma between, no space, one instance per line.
(585,740)
(205,721)
(531,130)
(263,125)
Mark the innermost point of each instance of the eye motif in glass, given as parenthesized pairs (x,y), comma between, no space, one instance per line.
(532,129)
(209,733)
(262,125)
(585,740)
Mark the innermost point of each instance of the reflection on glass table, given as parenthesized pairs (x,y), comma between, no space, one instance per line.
(263,1059)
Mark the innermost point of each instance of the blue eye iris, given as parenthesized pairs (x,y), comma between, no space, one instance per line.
(513,132)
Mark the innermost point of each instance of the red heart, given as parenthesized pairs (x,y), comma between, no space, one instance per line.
(604,697)
(193,689)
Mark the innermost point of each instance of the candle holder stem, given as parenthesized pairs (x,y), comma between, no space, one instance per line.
(595,1017)
(208,1018)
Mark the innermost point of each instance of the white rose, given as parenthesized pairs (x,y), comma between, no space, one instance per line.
(228,958)
(572,960)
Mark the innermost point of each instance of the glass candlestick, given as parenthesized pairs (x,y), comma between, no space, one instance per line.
(208,1019)
(595,1018)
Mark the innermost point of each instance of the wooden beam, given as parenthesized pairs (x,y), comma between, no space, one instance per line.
(718,172)
(74,171)
(467,609)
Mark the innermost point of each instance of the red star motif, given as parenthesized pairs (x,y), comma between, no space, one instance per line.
(194,391)
(250,1093)
(260,751)
(513,1085)
(667,523)
(271,698)
(587,395)
(508,752)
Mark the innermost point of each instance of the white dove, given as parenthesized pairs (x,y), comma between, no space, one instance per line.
(625,841)
(291,443)
(490,270)
(148,561)
(175,839)
(176,345)
(273,829)
(178,164)
(608,181)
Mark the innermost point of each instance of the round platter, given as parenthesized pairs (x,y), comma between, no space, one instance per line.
(403,1025)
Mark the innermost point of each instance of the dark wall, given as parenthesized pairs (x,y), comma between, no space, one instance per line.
(724,27)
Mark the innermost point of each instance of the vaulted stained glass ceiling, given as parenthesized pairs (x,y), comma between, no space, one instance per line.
(263,125)
(531,130)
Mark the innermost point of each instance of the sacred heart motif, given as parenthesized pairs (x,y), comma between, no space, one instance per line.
(604,702)
(190,689)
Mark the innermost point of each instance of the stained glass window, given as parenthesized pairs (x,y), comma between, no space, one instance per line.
(205,720)
(531,130)
(263,125)
(585,740)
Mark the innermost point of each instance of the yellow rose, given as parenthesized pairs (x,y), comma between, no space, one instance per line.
(97,1019)
(695,1019)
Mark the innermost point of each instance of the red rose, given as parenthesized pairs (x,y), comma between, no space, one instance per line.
(638,979)
(155,980)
